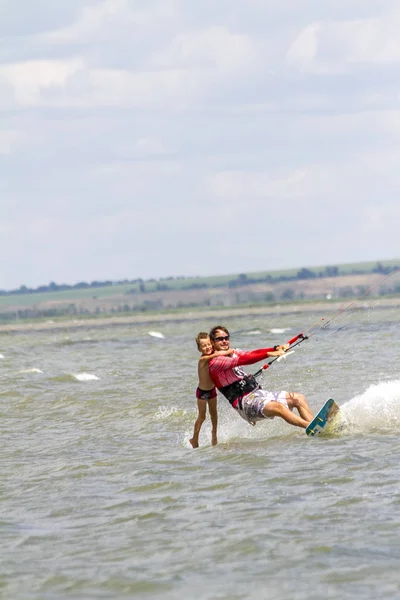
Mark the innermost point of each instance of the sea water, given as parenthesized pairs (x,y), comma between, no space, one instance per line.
(102,496)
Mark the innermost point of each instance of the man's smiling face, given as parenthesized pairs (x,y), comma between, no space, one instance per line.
(221,340)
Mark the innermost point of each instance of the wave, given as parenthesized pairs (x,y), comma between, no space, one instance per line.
(156,334)
(74,377)
(277,330)
(33,370)
(377,409)
(85,377)
(68,342)
(165,412)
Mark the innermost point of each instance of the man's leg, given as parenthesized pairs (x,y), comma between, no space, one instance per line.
(276,409)
(298,401)
(202,407)
(212,407)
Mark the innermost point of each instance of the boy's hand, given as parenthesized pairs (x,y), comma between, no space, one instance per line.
(225,352)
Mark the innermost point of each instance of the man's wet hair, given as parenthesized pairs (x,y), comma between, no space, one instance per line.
(214,331)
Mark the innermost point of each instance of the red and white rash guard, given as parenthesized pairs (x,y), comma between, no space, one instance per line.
(225,370)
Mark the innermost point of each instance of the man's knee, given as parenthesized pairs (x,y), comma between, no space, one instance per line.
(294,399)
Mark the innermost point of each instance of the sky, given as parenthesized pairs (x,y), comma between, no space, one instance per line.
(156,138)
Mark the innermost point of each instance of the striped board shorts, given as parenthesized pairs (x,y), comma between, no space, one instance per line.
(253,404)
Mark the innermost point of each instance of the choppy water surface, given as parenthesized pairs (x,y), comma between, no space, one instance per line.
(103,497)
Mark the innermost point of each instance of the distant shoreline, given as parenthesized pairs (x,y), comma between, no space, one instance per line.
(217,313)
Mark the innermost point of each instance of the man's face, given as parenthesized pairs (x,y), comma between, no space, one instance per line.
(221,340)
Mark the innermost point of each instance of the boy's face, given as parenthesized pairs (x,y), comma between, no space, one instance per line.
(206,346)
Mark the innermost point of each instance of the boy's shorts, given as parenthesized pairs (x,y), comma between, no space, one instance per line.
(205,394)
(253,404)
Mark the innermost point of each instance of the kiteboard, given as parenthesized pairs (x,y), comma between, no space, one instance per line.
(328,417)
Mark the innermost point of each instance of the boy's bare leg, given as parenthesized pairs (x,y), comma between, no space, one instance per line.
(212,407)
(298,401)
(202,407)
(275,409)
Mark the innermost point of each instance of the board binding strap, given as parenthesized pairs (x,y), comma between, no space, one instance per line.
(327,419)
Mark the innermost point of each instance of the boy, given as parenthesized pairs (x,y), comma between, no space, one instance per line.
(206,392)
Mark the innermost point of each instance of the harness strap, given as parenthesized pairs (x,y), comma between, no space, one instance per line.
(235,391)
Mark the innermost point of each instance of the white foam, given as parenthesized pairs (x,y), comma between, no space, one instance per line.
(164,412)
(377,408)
(33,370)
(255,332)
(85,377)
(1,355)
(231,427)
(156,334)
(279,330)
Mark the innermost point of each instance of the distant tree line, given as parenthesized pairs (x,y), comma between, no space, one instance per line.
(76,310)
(166,283)
(55,287)
(222,298)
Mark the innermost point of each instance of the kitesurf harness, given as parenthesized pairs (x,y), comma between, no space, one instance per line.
(240,388)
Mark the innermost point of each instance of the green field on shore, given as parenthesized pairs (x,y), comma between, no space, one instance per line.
(176,284)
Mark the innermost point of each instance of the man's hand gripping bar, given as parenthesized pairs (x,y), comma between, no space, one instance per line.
(298,339)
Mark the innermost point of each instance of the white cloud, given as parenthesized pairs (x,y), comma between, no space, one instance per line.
(112,18)
(371,41)
(339,46)
(303,50)
(212,48)
(72,84)
(31,78)
(89,21)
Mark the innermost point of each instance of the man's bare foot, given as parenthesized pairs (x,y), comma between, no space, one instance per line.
(214,441)
(195,443)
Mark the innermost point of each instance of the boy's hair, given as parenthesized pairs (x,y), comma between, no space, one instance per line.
(214,331)
(203,335)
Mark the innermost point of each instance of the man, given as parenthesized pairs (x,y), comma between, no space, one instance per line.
(244,392)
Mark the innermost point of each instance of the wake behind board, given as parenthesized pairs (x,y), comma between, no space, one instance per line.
(327,416)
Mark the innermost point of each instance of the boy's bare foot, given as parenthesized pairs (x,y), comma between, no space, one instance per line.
(195,443)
